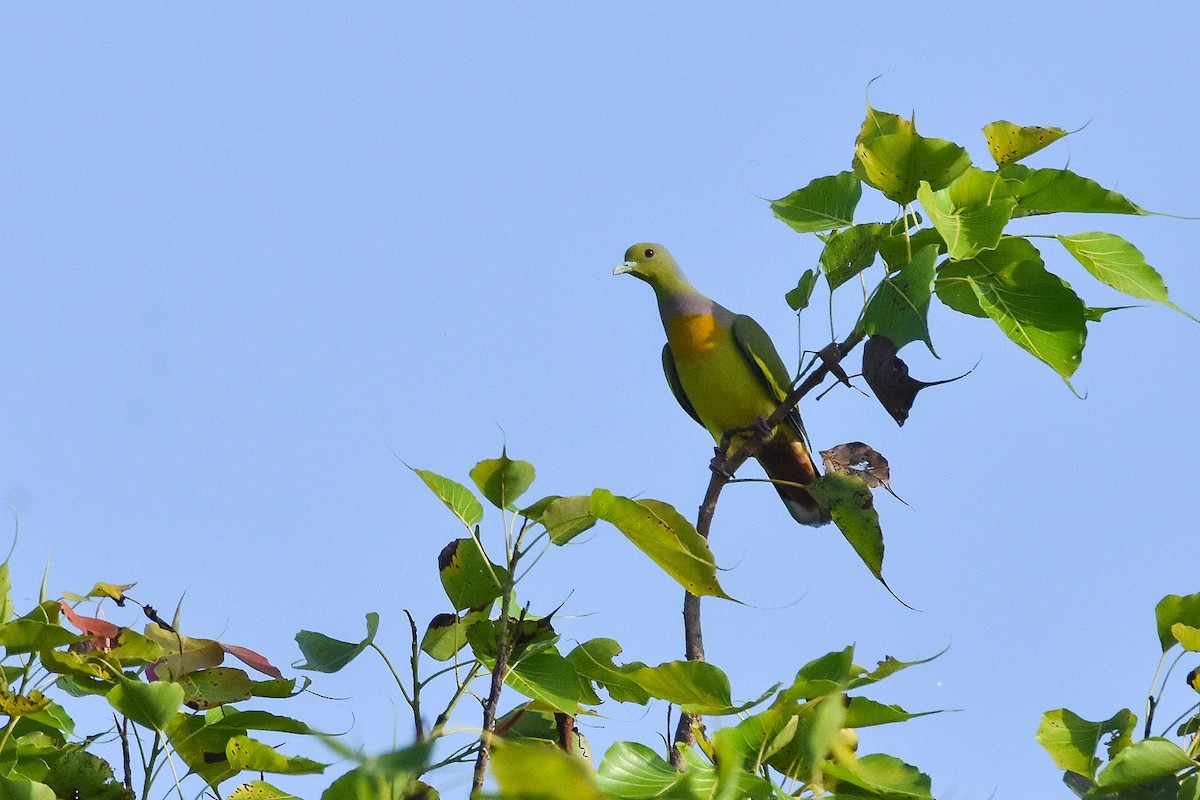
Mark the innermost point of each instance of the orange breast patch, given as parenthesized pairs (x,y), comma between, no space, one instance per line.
(694,335)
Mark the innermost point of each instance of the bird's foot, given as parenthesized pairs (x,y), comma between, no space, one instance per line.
(761,427)
(718,464)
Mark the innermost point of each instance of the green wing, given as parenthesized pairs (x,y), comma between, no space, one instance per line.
(676,387)
(756,345)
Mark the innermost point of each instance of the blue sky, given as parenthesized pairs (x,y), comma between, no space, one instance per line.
(254,254)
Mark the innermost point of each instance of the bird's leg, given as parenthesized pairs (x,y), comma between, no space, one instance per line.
(719,461)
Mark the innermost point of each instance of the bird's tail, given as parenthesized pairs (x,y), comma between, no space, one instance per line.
(789,460)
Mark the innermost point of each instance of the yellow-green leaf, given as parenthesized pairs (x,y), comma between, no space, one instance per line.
(1009,142)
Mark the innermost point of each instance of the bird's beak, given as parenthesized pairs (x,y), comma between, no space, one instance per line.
(625,266)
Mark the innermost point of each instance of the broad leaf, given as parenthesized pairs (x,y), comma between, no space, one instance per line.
(849,502)
(503,480)
(447,633)
(662,533)
(1187,636)
(260,790)
(183,653)
(1050,191)
(994,265)
(883,776)
(567,517)
(890,155)
(1174,609)
(1037,310)
(970,214)
(1009,142)
(325,654)
(457,497)
(468,576)
(1140,763)
(824,204)
(210,688)
(250,754)
(152,705)
(531,768)
(593,661)
(798,298)
(697,687)
(1117,263)
(634,771)
(863,713)
(899,308)
(549,680)
(1072,740)
(850,251)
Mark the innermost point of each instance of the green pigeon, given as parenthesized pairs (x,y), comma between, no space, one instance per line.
(724,371)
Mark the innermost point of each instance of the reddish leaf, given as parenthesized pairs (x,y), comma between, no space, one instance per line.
(252,659)
(92,626)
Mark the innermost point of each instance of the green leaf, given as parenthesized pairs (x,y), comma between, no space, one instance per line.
(1072,740)
(469,578)
(184,653)
(1117,263)
(567,517)
(829,674)
(21,789)
(260,790)
(1008,142)
(384,776)
(549,680)
(882,776)
(325,654)
(30,635)
(1051,191)
(217,686)
(850,251)
(447,633)
(633,771)
(890,155)
(255,720)
(662,533)
(1142,762)
(899,308)
(824,204)
(6,603)
(83,773)
(816,732)
(849,501)
(863,713)
(244,753)
(1038,310)
(970,214)
(530,768)
(797,299)
(151,705)
(457,497)
(1172,609)
(987,266)
(1187,636)
(503,480)
(593,661)
(697,687)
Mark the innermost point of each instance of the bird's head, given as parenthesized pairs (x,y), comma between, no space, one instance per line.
(652,263)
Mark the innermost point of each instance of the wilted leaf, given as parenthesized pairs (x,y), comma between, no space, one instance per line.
(1009,142)
(252,659)
(861,460)
(887,375)
(824,204)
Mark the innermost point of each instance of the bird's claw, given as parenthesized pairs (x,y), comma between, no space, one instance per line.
(718,465)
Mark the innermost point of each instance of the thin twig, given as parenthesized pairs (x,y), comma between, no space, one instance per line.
(416,679)
(693,635)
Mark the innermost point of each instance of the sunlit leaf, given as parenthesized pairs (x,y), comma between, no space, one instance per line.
(863,712)
(1117,263)
(502,480)
(216,686)
(1072,740)
(19,705)
(457,497)
(567,517)
(549,680)
(1174,609)
(824,204)
(469,578)
(816,733)
(890,155)
(970,214)
(184,653)
(992,265)
(1187,636)
(388,775)
(82,773)
(1141,763)
(28,635)
(243,752)
(665,535)
(325,654)
(1050,191)
(849,502)
(633,770)
(530,768)
(697,687)
(798,298)
(260,790)
(883,776)
(593,660)
(1009,142)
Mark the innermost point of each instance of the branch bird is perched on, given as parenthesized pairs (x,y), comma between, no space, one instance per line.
(724,371)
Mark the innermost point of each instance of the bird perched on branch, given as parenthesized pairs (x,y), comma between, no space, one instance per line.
(724,371)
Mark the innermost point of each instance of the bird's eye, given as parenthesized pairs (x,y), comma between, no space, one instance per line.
(649,252)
